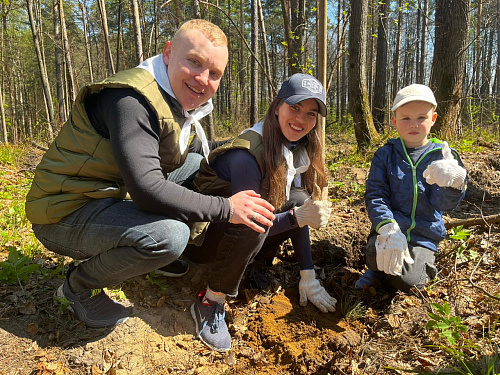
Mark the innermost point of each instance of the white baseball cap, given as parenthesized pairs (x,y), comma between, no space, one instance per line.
(412,93)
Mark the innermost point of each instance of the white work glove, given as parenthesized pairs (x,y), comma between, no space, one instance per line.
(314,212)
(445,172)
(392,249)
(310,289)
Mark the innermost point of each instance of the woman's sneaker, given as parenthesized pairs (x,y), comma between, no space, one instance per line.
(175,269)
(211,327)
(93,307)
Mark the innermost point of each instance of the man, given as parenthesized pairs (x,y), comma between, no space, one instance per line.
(111,190)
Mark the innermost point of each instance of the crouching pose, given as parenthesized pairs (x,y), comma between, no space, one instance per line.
(412,180)
(279,158)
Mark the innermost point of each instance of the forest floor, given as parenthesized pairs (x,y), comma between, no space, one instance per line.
(373,331)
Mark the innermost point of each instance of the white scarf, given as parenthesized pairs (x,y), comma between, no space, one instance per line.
(158,70)
(294,167)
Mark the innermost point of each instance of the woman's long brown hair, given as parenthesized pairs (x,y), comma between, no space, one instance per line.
(275,162)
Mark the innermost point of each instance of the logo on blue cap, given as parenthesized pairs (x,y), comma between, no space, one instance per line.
(312,85)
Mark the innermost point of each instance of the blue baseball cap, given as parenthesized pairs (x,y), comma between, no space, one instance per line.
(300,87)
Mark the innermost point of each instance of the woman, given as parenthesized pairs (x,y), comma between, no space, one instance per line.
(279,158)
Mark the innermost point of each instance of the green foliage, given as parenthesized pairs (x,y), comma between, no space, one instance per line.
(158,280)
(118,294)
(16,268)
(9,155)
(352,308)
(449,325)
(63,303)
(460,235)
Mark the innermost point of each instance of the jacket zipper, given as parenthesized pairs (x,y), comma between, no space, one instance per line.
(415,187)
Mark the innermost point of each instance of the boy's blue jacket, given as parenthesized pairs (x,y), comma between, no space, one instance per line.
(397,191)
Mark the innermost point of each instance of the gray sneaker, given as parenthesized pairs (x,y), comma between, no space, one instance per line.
(211,327)
(93,307)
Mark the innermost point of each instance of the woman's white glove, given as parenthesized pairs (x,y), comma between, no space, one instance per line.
(445,172)
(392,249)
(310,289)
(314,213)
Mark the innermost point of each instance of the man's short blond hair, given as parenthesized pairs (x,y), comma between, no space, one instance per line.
(210,30)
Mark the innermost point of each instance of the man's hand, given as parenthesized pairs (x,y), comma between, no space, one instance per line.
(445,172)
(392,249)
(310,289)
(249,209)
(314,213)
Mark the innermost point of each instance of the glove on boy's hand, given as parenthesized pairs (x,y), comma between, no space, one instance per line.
(310,289)
(445,172)
(314,213)
(392,249)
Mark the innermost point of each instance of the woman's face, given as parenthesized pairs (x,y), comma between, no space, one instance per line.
(297,120)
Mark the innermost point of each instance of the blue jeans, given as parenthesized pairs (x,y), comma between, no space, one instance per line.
(117,240)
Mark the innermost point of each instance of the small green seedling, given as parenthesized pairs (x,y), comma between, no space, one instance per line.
(450,326)
(16,268)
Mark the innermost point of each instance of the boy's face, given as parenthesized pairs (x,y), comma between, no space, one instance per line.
(414,121)
(195,67)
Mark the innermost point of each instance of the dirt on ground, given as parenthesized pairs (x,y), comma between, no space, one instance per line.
(373,331)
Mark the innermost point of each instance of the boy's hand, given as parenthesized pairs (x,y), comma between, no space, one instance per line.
(314,213)
(392,249)
(310,289)
(445,172)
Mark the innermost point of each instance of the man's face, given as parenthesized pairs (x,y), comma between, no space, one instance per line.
(195,67)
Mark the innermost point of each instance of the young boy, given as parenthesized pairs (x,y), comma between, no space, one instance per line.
(412,181)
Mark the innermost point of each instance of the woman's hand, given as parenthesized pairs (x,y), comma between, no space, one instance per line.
(249,209)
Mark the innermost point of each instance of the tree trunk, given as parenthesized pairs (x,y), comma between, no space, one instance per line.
(380,89)
(86,38)
(254,79)
(242,65)
(497,74)
(228,108)
(67,55)
(322,22)
(297,26)
(395,70)
(448,65)
(479,39)
(107,46)
(139,55)
(2,108)
(196,9)
(61,108)
(119,20)
(265,50)
(285,7)
(358,92)
(423,42)
(43,71)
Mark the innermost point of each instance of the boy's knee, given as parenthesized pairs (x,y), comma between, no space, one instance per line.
(417,275)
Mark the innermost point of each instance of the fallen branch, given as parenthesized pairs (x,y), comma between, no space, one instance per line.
(485,220)
(39,146)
